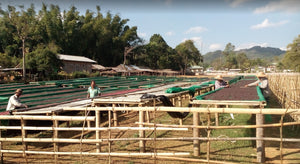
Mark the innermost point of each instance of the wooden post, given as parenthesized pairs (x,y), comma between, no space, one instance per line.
(142,132)
(196,143)
(180,101)
(217,117)
(115,116)
(208,136)
(260,148)
(109,136)
(24,135)
(1,145)
(98,134)
(55,136)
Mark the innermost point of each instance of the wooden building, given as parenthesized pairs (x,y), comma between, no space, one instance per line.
(76,63)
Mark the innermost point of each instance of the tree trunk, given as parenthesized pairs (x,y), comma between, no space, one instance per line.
(23,51)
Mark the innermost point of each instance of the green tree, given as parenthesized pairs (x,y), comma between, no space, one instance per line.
(43,61)
(291,59)
(24,23)
(188,55)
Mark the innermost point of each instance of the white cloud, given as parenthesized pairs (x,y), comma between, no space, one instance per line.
(170,33)
(215,46)
(288,6)
(266,23)
(194,30)
(250,45)
(236,3)
(197,41)
(283,48)
(142,34)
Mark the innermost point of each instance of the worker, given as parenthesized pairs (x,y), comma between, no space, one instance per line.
(14,102)
(93,91)
(220,83)
(262,82)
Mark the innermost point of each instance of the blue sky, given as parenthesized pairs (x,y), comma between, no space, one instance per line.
(210,24)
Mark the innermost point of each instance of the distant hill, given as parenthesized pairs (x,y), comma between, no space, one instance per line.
(267,53)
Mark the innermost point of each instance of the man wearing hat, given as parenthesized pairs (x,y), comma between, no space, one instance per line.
(14,102)
(220,83)
(262,82)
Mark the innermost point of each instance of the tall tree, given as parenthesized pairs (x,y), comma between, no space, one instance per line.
(24,23)
(291,59)
(188,55)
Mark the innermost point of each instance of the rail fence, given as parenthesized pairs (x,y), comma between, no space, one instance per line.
(286,87)
(141,127)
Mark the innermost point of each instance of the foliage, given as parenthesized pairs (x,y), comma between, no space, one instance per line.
(188,54)
(7,61)
(43,61)
(94,35)
(292,57)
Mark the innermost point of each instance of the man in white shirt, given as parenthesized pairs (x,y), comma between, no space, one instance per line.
(14,102)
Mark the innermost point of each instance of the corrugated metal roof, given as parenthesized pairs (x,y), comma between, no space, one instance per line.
(75,58)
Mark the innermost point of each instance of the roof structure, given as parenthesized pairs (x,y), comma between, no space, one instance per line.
(75,58)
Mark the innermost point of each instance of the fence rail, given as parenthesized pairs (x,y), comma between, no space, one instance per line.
(141,127)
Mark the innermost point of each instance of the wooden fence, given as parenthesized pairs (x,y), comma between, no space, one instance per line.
(286,87)
(141,127)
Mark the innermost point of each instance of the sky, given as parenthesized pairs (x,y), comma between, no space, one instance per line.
(211,24)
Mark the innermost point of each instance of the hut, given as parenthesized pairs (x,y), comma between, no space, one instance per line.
(76,63)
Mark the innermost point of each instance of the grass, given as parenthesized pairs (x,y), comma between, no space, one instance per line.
(233,150)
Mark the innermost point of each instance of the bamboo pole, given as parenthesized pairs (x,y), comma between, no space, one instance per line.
(115,116)
(196,142)
(98,134)
(194,160)
(98,154)
(275,111)
(92,129)
(93,141)
(217,116)
(24,135)
(1,146)
(109,136)
(55,135)
(208,136)
(260,148)
(141,132)
(224,127)
(50,118)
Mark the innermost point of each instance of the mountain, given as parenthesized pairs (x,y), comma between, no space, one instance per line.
(267,53)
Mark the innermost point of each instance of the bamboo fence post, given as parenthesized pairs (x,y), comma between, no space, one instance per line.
(217,116)
(260,148)
(98,135)
(196,142)
(1,146)
(141,132)
(154,119)
(55,136)
(115,115)
(208,136)
(109,136)
(281,122)
(24,135)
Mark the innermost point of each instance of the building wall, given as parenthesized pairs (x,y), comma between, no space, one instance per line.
(73,66)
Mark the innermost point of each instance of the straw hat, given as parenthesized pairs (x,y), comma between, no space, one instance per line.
(261,74)
(19,90)
(219,77)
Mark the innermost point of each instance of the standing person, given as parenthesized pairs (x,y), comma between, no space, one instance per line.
(93,90)
(14,102)
(262,82)
(220,83)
